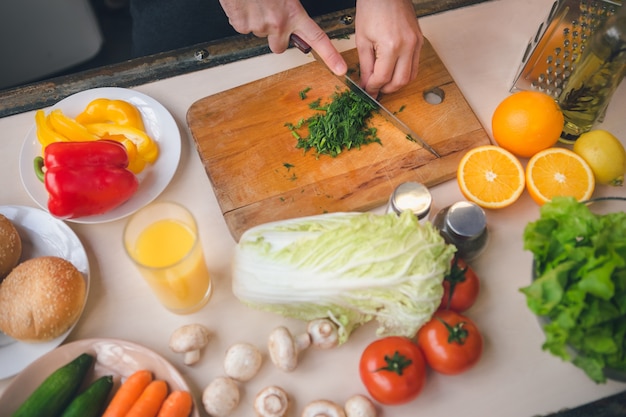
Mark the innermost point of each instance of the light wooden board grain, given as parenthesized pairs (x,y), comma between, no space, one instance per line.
(258,174)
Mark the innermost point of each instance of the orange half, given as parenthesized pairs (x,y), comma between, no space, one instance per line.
(558,172)
(491,177)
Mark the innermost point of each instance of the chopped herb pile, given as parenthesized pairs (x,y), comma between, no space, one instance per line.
(339,125)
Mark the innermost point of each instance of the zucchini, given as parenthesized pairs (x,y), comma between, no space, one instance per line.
(90,402)
(54,394)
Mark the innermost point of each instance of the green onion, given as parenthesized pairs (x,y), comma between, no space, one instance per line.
(303,93)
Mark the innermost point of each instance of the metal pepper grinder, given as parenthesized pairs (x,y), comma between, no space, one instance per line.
(464,225)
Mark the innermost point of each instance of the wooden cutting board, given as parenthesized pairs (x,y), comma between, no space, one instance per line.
(260,176)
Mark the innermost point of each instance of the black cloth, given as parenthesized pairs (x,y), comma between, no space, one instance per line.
(165,25)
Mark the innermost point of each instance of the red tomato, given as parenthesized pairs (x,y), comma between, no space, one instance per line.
(451,343)
(393,370)
(460,287)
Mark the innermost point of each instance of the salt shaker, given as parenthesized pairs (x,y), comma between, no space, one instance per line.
(464,225)
(411,196)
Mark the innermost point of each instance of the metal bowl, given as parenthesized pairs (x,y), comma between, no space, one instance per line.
(605,205)
(600,205)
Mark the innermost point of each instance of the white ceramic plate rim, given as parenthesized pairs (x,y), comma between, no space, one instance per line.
(114,357)
(160,125)
(41,234)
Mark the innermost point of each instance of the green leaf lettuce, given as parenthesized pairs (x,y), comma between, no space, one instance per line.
(580,284)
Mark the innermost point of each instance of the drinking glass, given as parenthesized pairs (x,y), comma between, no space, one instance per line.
(163,242)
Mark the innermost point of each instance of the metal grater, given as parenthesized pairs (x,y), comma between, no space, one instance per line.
(552,54)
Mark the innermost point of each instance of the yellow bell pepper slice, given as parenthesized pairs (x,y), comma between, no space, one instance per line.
(136,164)
(146,147)
(70,128)
(45,133)
(104,110)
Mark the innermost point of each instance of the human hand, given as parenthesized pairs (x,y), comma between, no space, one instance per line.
(277,20)
(388,40)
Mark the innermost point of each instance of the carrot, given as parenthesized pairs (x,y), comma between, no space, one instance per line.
(128,393)
(149,403)
(177,404)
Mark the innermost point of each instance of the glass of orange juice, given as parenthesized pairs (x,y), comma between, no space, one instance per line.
(162,240)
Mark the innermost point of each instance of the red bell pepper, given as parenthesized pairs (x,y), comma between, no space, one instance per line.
(86,178)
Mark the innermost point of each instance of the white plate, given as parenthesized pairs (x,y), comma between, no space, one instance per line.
(160,126)
(113,357)
(42,235)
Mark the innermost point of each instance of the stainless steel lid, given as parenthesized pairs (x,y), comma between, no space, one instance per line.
(411,196)
(466,219)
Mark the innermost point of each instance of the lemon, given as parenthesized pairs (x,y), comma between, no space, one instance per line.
(605,155)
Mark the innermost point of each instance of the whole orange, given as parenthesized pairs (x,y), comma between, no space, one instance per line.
(527,122)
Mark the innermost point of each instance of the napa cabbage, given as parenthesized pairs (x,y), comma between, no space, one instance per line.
(349,267)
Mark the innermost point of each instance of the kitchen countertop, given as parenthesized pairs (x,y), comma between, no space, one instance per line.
(482,47)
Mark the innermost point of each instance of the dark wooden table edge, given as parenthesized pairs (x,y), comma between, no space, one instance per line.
(152,68)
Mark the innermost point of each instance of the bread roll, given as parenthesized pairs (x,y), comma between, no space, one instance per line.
(41,299)
(10,247)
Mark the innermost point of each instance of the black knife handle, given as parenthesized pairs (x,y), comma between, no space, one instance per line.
(299,43)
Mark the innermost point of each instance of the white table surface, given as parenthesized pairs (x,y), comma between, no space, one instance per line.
(481,46)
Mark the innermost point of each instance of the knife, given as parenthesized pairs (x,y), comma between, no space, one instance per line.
(299,43)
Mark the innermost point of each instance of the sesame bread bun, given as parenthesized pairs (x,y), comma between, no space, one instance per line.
(10,247)
(41,299)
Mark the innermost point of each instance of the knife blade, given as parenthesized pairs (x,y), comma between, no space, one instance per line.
(299,43)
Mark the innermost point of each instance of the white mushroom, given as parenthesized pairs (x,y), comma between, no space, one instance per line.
(360,406)
(284,348)
(189,339)
(323,408)
(221,397)
(271,402)
(242,361)
(324,333)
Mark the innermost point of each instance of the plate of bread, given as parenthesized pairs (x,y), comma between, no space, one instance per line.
(44,282)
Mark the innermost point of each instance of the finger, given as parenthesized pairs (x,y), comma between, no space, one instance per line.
(367,58)
(317,39)
(406,71)
(278,43)
(401,75)
(416,58)
(393,71)
(382,74)
(416,52)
